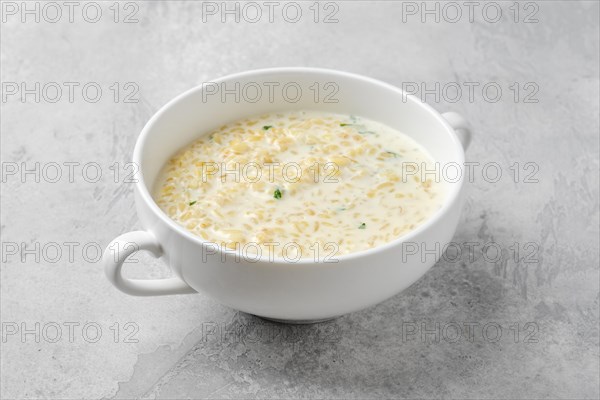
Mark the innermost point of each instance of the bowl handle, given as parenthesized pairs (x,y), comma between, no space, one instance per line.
(125,245)
(460,126)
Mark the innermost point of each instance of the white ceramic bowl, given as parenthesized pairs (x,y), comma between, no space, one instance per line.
(306,290)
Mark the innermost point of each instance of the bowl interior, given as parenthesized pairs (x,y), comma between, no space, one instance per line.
(205,108)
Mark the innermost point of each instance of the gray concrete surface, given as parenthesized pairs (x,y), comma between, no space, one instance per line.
(523,324)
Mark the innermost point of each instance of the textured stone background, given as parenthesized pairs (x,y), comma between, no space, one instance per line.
(187,346)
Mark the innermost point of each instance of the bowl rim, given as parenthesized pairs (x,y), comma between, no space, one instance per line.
(451,198)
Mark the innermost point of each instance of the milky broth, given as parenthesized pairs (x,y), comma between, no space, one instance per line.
(301,184)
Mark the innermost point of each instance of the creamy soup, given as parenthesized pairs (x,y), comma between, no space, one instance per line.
(300,184)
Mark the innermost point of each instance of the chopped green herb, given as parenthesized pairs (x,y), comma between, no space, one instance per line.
(362,226)
(267,127)
(394,154)
(193,202)
(361,129)
(277,193)
(342,209)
